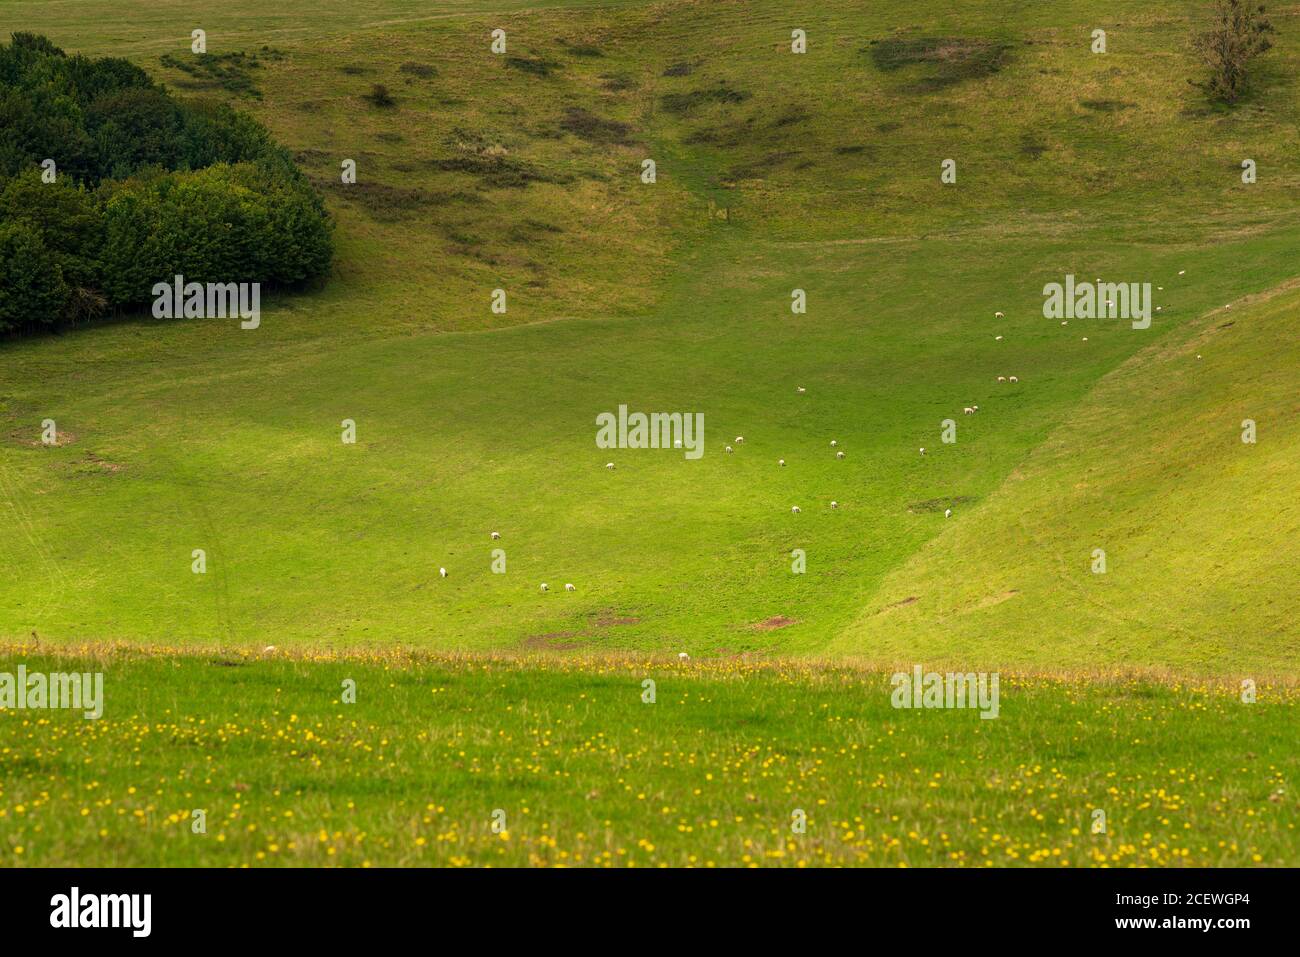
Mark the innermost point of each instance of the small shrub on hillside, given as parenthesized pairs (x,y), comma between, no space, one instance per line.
(1241,32)
(380,96)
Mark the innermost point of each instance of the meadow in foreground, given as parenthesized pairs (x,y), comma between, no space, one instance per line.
(575,768)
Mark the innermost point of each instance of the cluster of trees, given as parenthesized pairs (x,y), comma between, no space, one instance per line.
(142,187)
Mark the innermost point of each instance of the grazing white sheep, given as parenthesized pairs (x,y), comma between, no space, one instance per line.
(739,439)
(1160,288)
(730,449)
(442,572)
(1065,322)
(947,513)
(1160,308)
(1014,379)
(268,649)
(968,411)
(795,509)
(568,586)
(495,536)
(545,587)
(1181,271)
(835,504)
(1002,378)
(683,656)
(1085,338)
(839,455)
(801,389)
(997,338)
(781,462)
(922,451)
(610,466)
(834,443)
(998,315)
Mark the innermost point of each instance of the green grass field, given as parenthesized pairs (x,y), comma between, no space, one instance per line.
(588,774)
(775,171)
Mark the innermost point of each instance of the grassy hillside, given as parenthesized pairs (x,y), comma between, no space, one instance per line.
(479,692)
(522,173)
(1150,467)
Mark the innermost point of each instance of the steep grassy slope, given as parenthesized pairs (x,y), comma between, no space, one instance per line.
(1197,526)
(525,177)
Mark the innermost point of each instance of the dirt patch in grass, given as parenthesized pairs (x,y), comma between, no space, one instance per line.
(773,623)
(938,504)
(617,82)
(1106,106)
(909,600)
(991,600)
(554,641)
(496,171)
(611,620)
(389,204)
(534,66)
(596,129)
(232,71)
(422,70)
(942,61)
(686,104)
(589,50)
(33,437)
(757,168)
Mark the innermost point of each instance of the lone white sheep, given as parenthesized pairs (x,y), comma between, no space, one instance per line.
(730,449)
(968,411)
(781,462)
(683,656)
(795,509)
(998,315)
(801,390)
(997,338)
(839,455)
(922,451)
(739,439)
(568,586)
(834,443)
(610,466)
(495,536)
(545,587)
(835,504)
(947,513)
(442,572)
